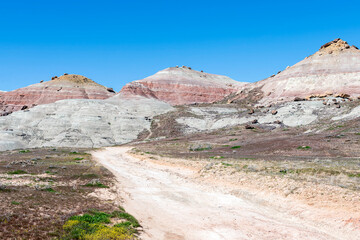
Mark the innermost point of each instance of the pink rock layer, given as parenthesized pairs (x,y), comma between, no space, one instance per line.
(334,69)
(182,85)
(64,87)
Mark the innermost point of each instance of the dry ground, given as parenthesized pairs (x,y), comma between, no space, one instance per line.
(41,188)
(319,169)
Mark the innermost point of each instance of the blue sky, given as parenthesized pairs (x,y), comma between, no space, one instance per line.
(115,42)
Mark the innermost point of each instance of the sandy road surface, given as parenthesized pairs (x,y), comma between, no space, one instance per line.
(171,206)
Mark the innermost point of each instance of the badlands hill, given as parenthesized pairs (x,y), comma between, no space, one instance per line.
(182,85)
(142,110)
(333,70)
(65,87)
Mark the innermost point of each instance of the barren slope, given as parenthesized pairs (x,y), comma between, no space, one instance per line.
(334,69)
(64,87)
(183,85)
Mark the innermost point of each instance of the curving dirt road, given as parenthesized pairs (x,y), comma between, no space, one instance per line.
(171,206)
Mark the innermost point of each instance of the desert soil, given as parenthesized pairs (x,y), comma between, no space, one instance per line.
(172,202)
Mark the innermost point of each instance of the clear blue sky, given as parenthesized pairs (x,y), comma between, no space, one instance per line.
(115,42)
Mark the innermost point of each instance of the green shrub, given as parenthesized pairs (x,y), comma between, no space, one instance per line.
(304,147)
(235,147)
(24,151)
(95,226)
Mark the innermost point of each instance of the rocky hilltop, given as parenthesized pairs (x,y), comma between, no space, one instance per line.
(333,70)
(68,86)
(183,85)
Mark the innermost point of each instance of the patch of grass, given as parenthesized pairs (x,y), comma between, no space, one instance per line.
(50,172)
(225,145)
(126,216)
(17,172)
(217,157)
(334,127)
(93,217)
(201,149)
(87,176)
(49,190)
(24,151)
(79,153)
(96,185)
(304,147)
(78,159)
(226,164)
(15,203)
(95,226)
(357,133)
(235,147)
(245,158)
(233,139)
(357,175)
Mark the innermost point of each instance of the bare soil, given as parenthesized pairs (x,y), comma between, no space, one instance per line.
(49,188)
(178,198)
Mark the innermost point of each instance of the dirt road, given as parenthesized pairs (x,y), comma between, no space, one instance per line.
(171,206)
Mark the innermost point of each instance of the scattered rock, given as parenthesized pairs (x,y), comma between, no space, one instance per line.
(343,95)
(255,121)
(110,90)
(200,147)
(94,181)
(274,112)
(209,166)
(247,126)
(298,99)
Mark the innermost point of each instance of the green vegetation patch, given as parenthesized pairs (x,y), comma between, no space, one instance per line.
(87,176)
(357,175)
(96,185)
(233,139)
(226,164)
(97,226)
(304,147)
(16,172)
(235,147)
(24,151)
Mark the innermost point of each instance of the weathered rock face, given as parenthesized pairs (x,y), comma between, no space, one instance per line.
(64,87)
(182,85)
(334,69)
(79,123)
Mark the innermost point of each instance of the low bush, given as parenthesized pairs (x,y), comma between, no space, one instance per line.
(96,226)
